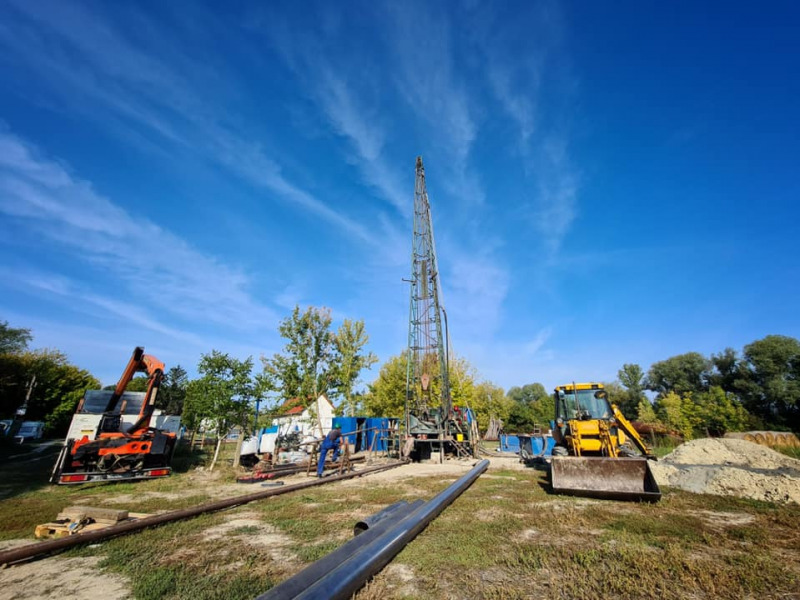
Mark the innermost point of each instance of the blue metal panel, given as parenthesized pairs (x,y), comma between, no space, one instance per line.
(509,443)
(532,446)
(378,428)
(348,425)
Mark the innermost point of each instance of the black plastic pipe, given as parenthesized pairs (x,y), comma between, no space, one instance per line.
(315,571)
(343,580)
(394,511)
(38,549)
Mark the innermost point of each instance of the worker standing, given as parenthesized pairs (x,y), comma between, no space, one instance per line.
(332,441)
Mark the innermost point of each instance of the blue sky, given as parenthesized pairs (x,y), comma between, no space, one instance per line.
(607,186)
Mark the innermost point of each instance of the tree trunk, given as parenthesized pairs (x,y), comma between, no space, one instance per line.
(216,453)
(238,452)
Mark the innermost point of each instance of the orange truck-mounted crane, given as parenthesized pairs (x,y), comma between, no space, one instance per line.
(117,452)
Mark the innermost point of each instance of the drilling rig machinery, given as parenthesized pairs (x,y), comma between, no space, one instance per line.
(432,422)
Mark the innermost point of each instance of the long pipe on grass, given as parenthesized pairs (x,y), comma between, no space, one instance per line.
(17,554)
(291,470)
(299,582)
(347,576)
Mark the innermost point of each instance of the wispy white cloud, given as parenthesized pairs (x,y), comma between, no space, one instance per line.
(82,299)
(342,86)
(156,266)
(89,61)
(556,206)
(537,343)
(104,344)
(520,82)
(518,100)
(427,77)
(476,288)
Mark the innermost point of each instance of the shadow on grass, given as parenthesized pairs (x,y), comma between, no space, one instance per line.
(185,458)
(24,469)
(28,468)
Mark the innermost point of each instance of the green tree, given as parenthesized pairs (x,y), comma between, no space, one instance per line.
(769,380)
(725,371)
(386,396)
(489,401)
(306,367)
(221,395)
(692,416)
(719,412)
(137,384)
(528,394)
(530,405)
(670,411)
(521,418)
(350,359)
(13,340)
(680,374)
(462,382)
(172,394)
(645,412)
(55,387)
(631,377)
(616,394)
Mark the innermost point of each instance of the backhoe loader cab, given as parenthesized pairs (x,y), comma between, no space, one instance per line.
(586,423)
(598,452)
(582,404)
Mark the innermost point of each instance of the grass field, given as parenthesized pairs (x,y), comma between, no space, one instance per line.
(505,537)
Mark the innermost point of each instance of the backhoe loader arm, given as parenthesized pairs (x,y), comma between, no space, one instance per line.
(626,426)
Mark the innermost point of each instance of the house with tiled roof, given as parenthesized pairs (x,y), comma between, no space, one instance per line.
(312,421)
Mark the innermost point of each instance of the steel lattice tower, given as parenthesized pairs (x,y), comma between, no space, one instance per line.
(427,381)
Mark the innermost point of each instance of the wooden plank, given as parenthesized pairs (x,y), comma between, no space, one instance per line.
(61,527)
(97,514)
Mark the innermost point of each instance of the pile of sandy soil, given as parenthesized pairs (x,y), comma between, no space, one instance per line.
(730,467)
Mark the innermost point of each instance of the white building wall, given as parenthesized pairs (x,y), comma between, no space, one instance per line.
(308,423)
(86,424)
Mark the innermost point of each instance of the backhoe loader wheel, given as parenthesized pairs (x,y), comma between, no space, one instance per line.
(560,451)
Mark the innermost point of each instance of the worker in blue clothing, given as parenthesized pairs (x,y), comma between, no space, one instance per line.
(332,441)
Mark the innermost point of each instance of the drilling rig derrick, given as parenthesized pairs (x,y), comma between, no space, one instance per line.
(431,420)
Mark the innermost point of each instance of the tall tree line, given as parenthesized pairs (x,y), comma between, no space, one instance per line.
(694,394)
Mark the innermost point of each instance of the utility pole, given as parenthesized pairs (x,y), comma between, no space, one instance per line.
(19,416)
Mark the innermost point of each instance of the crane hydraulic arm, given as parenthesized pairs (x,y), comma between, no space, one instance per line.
(139,362)
(118,451)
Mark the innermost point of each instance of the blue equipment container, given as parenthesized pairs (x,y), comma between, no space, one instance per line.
(532,447)
(378,429)
(349,426)
(509,443)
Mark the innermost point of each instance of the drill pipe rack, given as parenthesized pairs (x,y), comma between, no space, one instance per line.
(32,550)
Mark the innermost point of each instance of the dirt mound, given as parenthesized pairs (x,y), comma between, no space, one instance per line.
(730,467)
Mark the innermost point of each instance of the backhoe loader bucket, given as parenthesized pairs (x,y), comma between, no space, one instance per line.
(599,477)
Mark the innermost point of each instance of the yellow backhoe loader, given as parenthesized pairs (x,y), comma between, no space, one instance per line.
(598,452)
